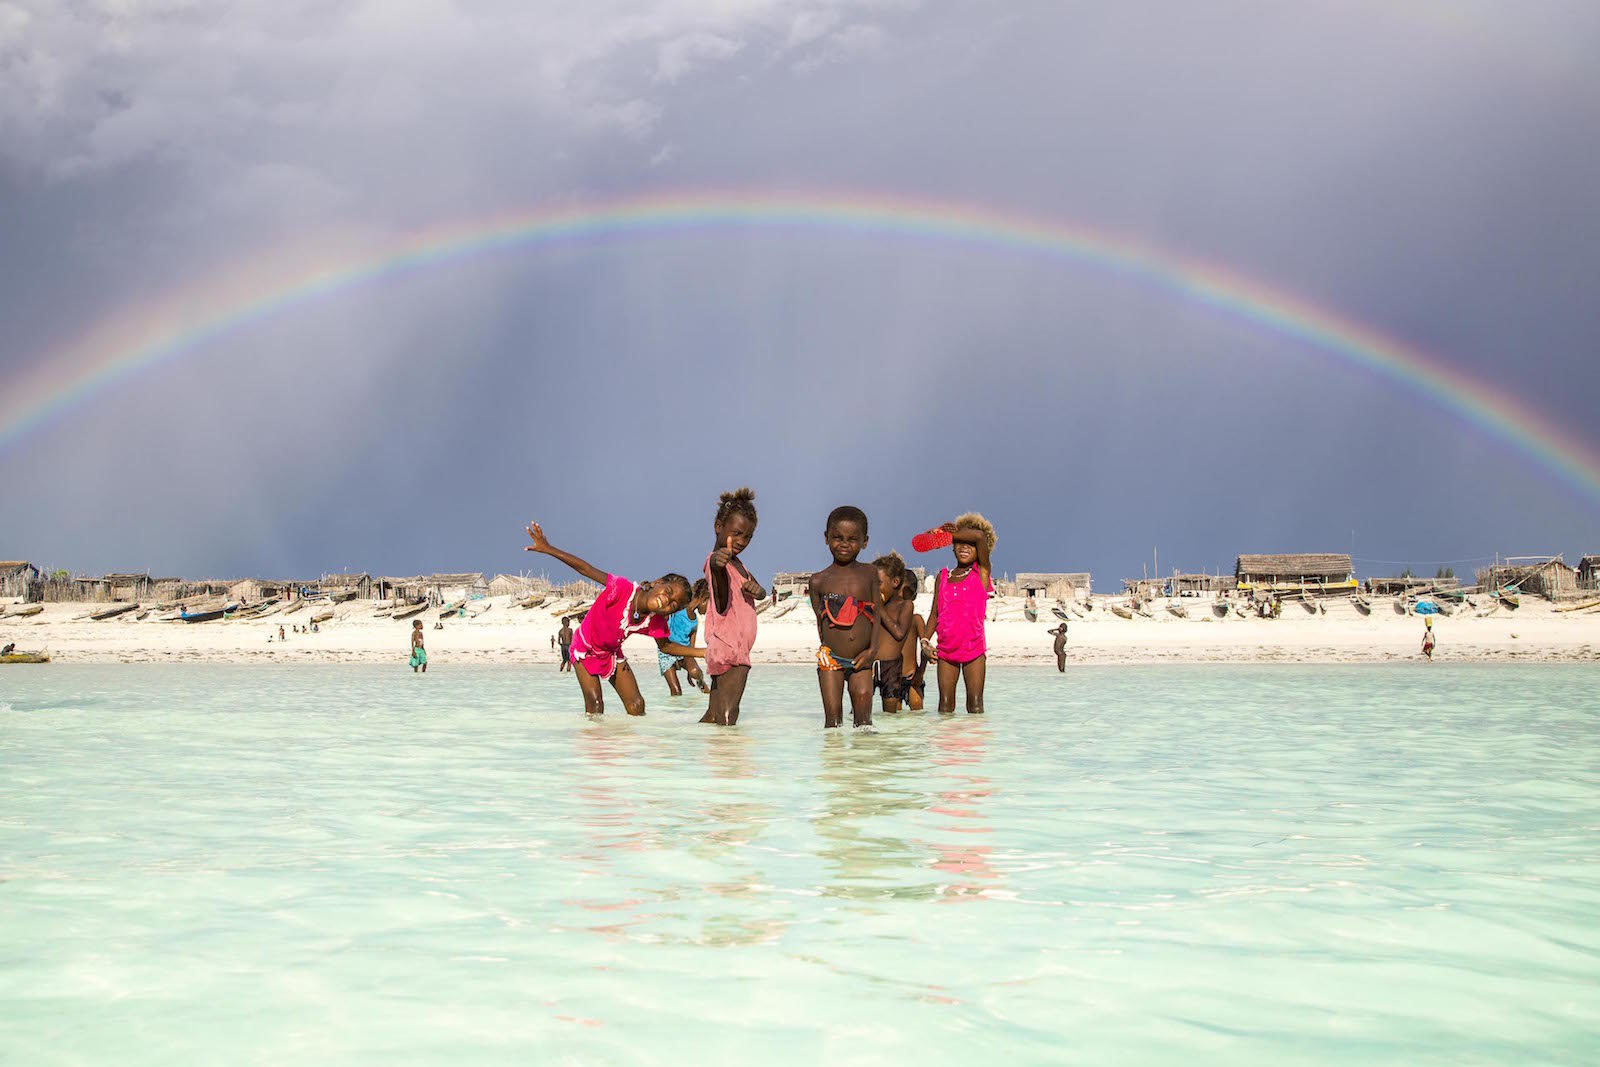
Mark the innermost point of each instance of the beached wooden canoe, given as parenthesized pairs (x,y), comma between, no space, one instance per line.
(1362,604)
(210,615)
(113,611)
(1511,600)
(1121,612)
(321,617)
(1178,610)
(25,612)
(1584,605)
(25,657)
(786,607)
(410,610)
(1219,608)
(1399,607)
(452,609)
(533,601)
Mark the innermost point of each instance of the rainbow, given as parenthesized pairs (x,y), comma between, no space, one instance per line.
(188,319)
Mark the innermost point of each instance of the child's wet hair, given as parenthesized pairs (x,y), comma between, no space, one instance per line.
(973,521)
(908,583)
(741,501)
(702,588)
(847,513)
(892,565)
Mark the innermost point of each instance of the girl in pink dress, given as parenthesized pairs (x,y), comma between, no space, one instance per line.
(622,609)
(960,600)
(730,626)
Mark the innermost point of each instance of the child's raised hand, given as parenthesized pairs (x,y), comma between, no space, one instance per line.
(949,527)
(536,534)
(721,556)
(753,590)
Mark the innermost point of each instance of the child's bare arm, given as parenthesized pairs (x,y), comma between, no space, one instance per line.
(978,540)
(672,648)
(897,630)
(864,658)
(542,545)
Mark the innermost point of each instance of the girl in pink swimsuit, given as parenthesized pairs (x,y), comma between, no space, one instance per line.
(960,600)
(730,627)
(622,609)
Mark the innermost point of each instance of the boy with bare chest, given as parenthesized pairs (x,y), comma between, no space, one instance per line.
(846,597)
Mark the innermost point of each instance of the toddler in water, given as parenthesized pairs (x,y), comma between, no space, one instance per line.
(622,609)
(419,655)
(846,597)
(731,611)
(960,598)
(914,666)
(894,624)
(681,626)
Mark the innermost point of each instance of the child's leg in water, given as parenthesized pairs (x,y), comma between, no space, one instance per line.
(861,698)
(627,687)
(972,675)
(727,690)
(832,685)
(673,687)
(947,673)
(594,700)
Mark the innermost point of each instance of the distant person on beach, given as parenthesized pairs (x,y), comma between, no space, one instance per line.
(914,664)
(565,636)
(281,637)
(730,630)
(1427,637)
(1030,609)
(960,601)
(552,640)
(419,655)
(846,597)
(8,649)
(894,623)
(681,627)
(1060,634)
(622,609)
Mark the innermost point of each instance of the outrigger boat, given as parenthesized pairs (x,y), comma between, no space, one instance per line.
(1121,612)
(1178,610)
(1362,604)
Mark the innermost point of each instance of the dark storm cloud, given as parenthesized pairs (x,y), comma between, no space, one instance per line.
(1426,170)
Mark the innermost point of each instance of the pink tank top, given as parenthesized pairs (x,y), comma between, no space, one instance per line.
(731,634)
(961,609)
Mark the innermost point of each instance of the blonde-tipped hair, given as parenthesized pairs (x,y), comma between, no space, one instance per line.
(973,521)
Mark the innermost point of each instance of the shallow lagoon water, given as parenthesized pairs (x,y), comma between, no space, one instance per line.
(1232,864)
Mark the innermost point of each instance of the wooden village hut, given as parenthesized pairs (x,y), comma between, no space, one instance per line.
(518,585)
(1546,577)
(17,578)
(340,586)
(1589,573)
(413,588)
(791,583)
(1311,571)
(1059,586)
(1200,584)
(452,587)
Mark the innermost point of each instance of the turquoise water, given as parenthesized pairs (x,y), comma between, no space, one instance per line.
(357,865)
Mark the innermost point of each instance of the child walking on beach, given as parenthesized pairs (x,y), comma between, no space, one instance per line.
(915,665)
(419,655)
(731,612)
(1427,637)
(889,673)
(681,627)
(846,597)
(622,609)
(960,599)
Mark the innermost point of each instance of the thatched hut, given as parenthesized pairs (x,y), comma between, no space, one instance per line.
(342,585)
(791,583)
(17,577)
(1309,570)
(1060,586)
(518,585)
(1405,585)
(1200,584)
(449,587)
(126,587)
(392,588)
(1589,572)
(1531,574)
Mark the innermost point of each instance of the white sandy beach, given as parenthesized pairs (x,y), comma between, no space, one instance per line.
(503,632)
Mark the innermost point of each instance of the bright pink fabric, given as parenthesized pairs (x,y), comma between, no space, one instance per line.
(962,606)
(731,634)
(598,643)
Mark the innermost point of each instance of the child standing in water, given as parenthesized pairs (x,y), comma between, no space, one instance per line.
(846,597)
(622,609)
(565,637)
(731,612)
(1060,634)
(894,624)
(681,627)
(914,666)
(960,599)
(419,655)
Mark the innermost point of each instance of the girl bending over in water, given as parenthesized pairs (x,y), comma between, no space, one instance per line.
(622,609)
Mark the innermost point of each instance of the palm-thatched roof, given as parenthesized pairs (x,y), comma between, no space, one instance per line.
(1295,565)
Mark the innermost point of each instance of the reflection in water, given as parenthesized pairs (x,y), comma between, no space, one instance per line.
(870,784)
(962,746)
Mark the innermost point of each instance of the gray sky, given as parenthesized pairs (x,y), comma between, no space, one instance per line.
(1424,168)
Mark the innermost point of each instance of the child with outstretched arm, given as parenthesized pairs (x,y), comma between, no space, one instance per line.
(731,613)
(894,623)
(622,609)
(960,600)
(846,596)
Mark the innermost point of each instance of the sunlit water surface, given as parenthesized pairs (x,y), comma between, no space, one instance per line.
(358,865)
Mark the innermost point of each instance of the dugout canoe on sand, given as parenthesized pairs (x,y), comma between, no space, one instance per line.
(29,610)
(1362,604)
(17,656)
(1178,611)
(410,611)
(321,617)
(1121,612)
(113,611)
(1219,608)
